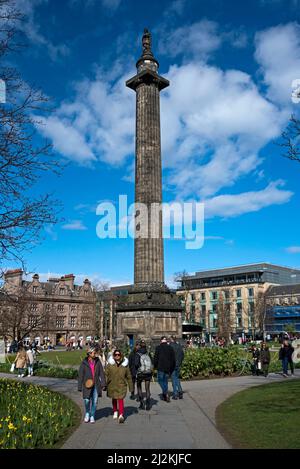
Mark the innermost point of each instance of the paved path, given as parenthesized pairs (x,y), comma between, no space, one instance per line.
(183,424)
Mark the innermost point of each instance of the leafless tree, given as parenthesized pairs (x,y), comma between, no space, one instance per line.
(19,316)
(23,161)
(291,140)
(259,312)
(179,278)
(225,321)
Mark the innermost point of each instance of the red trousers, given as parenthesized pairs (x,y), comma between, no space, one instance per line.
(120,403)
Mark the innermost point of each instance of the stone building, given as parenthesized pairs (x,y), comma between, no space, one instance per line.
(241,288)
(56,310)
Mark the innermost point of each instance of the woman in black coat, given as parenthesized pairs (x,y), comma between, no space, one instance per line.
(91,381)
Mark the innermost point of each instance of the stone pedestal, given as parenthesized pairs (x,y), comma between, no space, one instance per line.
(149,314)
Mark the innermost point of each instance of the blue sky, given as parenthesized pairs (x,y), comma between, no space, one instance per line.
(230,66)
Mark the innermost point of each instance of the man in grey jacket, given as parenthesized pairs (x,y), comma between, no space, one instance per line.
(179,355)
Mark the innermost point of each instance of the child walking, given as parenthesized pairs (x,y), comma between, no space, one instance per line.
(118,378)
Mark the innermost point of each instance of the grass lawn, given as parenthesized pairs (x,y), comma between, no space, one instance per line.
(73,357)
(266,416)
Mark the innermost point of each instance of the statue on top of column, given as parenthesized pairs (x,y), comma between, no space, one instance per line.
(146,41)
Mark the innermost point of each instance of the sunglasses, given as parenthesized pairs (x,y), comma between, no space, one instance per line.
(117,355)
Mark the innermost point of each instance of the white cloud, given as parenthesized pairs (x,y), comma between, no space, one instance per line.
(278,53)
(214,124)
(293,249)
(226,206)
(109,4)
(32,30)
(74,225)
(198,39)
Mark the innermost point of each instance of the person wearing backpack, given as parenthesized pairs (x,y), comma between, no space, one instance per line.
(179,355)
(144,369)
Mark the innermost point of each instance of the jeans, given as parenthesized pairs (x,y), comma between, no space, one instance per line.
(285,363)
(30,369)
(91,403)
(176,381)
(162,379)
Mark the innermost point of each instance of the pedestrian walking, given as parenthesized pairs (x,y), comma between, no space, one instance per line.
(265,358)
(164,362)
(30,360)
(290,358)
(144,371)
(284,354)
(255,361)
(118,379)
(179,355)
(91,382)
(132,366)
(21,362)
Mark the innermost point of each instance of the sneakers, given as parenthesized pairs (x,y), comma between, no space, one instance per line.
(166,397)
(115,416)
(121,419)
(87,418)
(174,397)
(180,395)
(22,376)
(92,420)
(285,375)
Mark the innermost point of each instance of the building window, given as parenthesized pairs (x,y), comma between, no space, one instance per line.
(203,296)
(73,308)
(239,322)
(214,295)
(239,293)
(85,322)
(60,308)
(227,294)
(192,296)
(203,311)
(85,292)
(60,322)
(239,308)
(61,291)
(34,289)
(250,292)
(32,321)
(73,321)
(251,307)
(33,307)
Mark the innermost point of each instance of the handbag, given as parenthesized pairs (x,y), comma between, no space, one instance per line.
(89,383)
(12,368)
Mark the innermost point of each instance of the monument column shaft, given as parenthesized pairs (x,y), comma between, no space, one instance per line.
(148,251)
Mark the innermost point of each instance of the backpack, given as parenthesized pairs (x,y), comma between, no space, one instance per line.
(146,364)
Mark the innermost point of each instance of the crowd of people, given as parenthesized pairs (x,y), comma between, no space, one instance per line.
(25,359)
(117,374)
(261,358)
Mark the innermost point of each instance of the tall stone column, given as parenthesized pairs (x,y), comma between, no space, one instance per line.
(150,309)
(148,247)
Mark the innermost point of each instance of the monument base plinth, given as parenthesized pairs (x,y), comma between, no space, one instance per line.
(148,314)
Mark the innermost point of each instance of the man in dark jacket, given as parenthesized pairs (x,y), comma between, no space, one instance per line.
(255,360)
(132,367)
(164,362)
(91,381)
(265,358)
(179,355)
(285,355)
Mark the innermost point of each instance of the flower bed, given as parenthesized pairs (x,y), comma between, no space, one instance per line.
(33,417)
